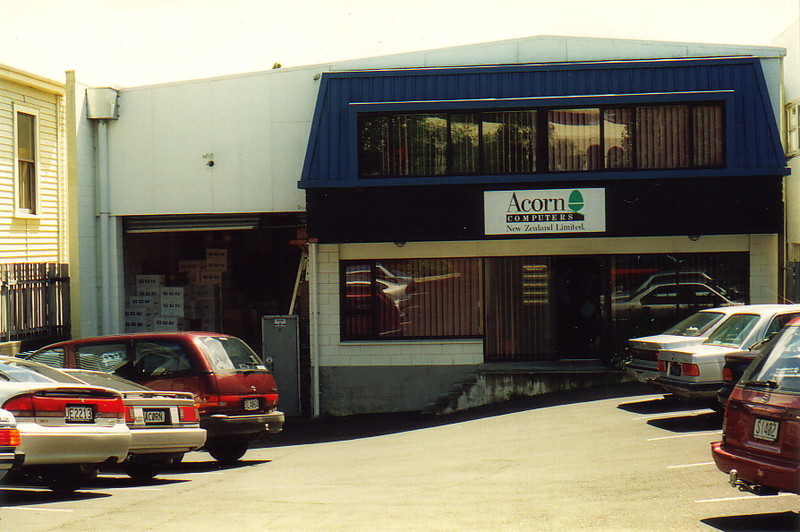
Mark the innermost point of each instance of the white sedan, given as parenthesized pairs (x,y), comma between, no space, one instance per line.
(696,371)
(67,431)
(9,442)
(643,364)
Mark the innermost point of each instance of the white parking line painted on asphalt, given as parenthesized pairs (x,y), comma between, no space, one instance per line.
(746,497)
(662,415)
(681,466)
(688,435)
(37,509)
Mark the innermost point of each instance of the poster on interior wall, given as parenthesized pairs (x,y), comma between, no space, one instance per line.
(569,210)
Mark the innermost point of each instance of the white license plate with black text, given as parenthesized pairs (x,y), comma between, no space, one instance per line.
(154,416)
(251,404)
(79,414)
(766,429)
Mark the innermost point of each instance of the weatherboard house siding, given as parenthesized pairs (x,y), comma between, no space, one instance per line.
(39,238)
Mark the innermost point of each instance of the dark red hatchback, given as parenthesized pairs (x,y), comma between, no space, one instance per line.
(235,393)
(760,447)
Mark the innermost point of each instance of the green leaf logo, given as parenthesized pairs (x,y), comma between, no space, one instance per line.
(575,200)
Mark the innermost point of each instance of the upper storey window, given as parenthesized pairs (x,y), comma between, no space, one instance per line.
(792,129)
(26,167)
(541,140)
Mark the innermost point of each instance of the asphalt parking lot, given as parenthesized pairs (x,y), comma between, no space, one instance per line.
(611,458)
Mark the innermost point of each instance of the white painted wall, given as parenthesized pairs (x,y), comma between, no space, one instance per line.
(257,124)
(41,237)
(790,39)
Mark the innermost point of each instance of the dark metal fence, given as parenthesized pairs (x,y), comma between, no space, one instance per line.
(34,301)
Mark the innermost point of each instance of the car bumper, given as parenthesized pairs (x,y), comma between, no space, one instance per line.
(7,458)
(640,372)
(166,440)
(222,424)
(694,390)
(72,445)
(756,471)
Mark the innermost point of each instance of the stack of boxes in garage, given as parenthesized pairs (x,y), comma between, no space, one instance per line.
(157,306)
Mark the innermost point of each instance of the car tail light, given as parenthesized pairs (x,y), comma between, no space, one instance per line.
(9,438)
(21,406)
(204,402)
(54,404)
(271,400)
(110,408)
(690,370)
(130,415)
(188,414)
(727,375)
(662,366)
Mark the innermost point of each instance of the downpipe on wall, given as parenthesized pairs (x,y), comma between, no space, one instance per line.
(102,105)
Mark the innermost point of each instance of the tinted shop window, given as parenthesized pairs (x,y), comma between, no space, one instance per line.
(618,129)
(420,145)
(707,124)
(416,298)
(497,142)
(574,139)
(650,293)
(509,142)
(464,138)
(373,146)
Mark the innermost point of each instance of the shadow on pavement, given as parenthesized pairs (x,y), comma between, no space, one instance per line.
(26,495)
(662,405)
(110,482)
(327,429)
(211,465)
(689,423)
(788,521)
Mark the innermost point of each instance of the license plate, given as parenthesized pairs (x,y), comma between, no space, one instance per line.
(765,429)
(251,404)
(675,369)
(154,416)
(79,414)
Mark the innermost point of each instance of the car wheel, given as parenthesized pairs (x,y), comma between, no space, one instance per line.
(228,451)
(142,470)
(70,477)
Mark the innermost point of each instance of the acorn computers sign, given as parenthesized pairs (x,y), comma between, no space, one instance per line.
(572,210)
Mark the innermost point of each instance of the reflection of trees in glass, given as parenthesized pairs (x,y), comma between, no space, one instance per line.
(420,144)
(464,140)
(505,142)
(374,145)
(509,142)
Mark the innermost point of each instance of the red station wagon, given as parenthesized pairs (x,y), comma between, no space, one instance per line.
(235,393)
(760,447)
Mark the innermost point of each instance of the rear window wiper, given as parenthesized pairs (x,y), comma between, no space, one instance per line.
(763,384)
